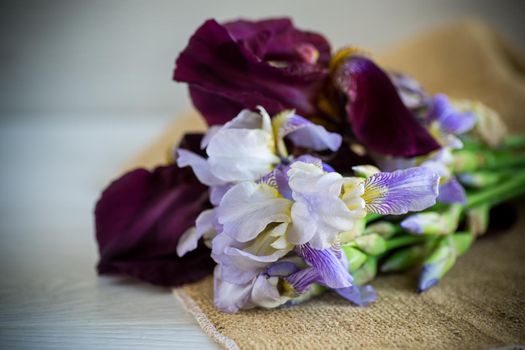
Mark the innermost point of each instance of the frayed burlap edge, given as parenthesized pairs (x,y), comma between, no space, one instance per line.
(204,322)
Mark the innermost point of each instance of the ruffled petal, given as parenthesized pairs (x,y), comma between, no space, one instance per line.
(310,178)
(229,297)
(247,208)
(241,154)
(401,191)
(204,224)
(317,219)
(139,220)
(199,165)
(306,134)
(378,117)
(245,64)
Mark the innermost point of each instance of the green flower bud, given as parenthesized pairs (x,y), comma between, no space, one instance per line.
(437,264)
(466,161)
(372,244)
(403,259)
(480,179)
(462,242)
(365,273)
(355,257)
(383,228)
(432,223)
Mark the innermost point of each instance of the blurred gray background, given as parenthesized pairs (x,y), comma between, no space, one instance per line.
(115,57)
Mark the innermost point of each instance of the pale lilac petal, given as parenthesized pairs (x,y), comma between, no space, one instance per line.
(229,297)
(281,269)
(401,191)
(450,120)
(217,192)
(247,208)
(306,134)
(331,269)
(265,292)
(318,219)
(452,192)
(212,130)
(199,165)
(189,240)
(281,179)
(359,295)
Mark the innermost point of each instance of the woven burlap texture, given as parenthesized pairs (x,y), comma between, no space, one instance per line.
(479,304)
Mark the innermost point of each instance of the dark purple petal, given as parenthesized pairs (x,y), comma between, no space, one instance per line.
(261,66)
(331,269)
(139,220)
(277,40)
(452,192)
(378,117)
(359,295)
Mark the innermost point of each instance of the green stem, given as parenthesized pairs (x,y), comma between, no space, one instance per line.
(512,188)
(401,241)
(514,141)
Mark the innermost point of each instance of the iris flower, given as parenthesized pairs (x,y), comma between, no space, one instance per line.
(250,146)
(261,225)
(243,64)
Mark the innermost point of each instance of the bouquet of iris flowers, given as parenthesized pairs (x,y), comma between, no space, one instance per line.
(317,171)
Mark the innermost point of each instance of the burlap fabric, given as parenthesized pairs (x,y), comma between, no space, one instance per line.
(479,304)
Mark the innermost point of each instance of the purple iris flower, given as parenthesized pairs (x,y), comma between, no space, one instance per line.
(243,64)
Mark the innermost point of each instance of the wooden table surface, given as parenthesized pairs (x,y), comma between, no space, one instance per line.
(50,296)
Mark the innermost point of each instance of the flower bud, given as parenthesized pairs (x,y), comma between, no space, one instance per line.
(365,273)
(372,244)
(433,223)
(383,228)
(355,257)
(437,264)
(403,259)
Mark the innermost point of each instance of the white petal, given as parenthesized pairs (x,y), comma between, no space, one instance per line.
(203,225)
(229,297)
(212,130)
(309,178)
(247,208)
(199,165)
(241,154)
(266,294)
(324,215)
(246,119)
(187,242)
